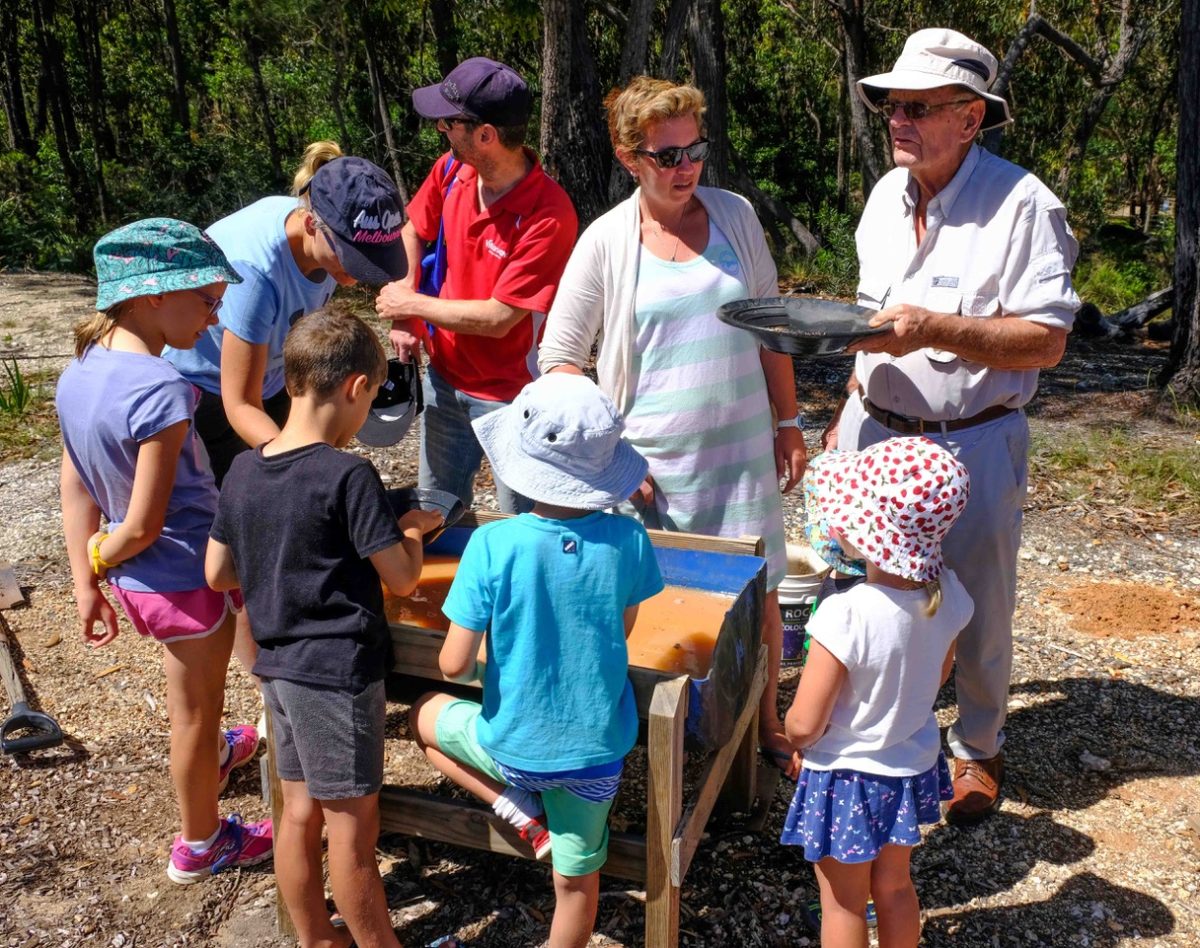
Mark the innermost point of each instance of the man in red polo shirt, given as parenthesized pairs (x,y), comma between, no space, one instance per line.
(509,230)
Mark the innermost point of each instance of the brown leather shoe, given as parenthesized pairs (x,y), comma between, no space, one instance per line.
(976,790)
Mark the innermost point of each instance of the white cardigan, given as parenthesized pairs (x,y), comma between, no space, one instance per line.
(599,286)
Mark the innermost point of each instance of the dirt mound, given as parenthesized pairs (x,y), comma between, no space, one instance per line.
(1127,610)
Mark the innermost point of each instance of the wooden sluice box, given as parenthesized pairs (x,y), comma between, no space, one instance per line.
(698,670)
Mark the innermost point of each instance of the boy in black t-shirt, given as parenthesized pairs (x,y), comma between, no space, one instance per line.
(307,531)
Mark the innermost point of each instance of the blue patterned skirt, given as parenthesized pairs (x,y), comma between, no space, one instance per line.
(850,815)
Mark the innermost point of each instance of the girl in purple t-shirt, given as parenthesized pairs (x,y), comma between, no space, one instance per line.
(131,453)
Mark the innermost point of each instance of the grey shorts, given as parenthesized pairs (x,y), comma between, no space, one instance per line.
(330,738)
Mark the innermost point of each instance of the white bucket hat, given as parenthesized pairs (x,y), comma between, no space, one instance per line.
(895,501)
(935,58)
(559,442)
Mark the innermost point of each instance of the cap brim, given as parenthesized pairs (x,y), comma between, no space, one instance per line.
(382,263)
(431,104)
(382,430)
(499,436)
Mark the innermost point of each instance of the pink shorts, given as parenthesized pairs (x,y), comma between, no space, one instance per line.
(174,616)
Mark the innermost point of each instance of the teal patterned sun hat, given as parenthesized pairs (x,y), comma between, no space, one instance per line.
(816,526)
(157,255)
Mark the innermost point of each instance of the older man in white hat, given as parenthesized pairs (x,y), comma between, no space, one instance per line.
(968,260)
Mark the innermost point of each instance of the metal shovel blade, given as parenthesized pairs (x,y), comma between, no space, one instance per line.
(42,730)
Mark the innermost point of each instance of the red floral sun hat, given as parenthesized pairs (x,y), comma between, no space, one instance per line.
(895,501)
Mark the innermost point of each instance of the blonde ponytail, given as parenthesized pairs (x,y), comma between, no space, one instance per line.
(315,155)
(933,589)
(94,328)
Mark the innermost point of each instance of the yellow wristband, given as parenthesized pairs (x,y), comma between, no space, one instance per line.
(98,562)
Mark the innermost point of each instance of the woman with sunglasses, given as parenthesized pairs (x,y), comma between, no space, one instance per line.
(340,225)
(700,398)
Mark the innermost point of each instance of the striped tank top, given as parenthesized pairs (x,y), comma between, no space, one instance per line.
(699,413)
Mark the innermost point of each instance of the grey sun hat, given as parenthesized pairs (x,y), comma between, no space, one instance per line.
(935,58)
(559,442)
(156,255)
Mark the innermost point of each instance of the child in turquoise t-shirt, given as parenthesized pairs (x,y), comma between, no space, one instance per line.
(555,593)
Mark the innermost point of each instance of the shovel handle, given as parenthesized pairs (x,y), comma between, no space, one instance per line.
(8,671)
(46,732)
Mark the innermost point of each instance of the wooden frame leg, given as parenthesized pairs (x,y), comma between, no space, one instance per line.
(739,792)
(282,919)
(664,809)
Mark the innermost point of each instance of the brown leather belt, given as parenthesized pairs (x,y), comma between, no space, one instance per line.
(906,425)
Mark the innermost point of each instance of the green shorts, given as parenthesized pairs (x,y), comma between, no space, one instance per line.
(578,827)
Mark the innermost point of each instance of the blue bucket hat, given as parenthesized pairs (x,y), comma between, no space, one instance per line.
(157,255)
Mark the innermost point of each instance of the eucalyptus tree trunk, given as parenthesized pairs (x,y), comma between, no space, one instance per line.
(852,28)
(19,136)
(573,144)
(672,44)
(444,36)
(375,76)
(706,42)
(179,98)
(635,61)
(1180,378)
(57,93)
(254,58)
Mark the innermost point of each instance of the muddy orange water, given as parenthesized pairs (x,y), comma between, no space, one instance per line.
(675,630)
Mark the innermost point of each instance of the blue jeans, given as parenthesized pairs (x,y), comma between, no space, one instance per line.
(450,453)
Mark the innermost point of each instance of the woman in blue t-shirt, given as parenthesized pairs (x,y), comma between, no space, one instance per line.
(341,225)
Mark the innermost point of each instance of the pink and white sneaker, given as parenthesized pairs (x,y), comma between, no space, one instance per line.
(243,745)
(238,844)
(536,834)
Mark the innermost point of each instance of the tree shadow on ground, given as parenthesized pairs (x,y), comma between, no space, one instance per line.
(1086,910)
(1021,842)
(1088,736)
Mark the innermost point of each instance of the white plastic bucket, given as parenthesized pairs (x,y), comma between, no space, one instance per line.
(797,593)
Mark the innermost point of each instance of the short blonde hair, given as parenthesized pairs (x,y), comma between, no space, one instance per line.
(645,101)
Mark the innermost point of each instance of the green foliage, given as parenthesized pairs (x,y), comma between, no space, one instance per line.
(297,70)
(16,394)
(1120,266)
(833,269)
(31,431)
(1120,466)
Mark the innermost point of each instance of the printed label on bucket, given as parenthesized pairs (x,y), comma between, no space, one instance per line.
(795,618)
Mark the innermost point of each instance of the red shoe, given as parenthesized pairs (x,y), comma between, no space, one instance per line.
(536,834)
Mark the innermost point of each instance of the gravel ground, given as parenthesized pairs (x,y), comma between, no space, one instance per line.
(1097,842)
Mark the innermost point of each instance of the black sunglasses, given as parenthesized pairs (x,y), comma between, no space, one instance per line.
(697,151)
(915,111)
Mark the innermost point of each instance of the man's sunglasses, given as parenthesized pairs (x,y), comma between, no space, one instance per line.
(445,124)
(214,302)
(915,111)
(697,151)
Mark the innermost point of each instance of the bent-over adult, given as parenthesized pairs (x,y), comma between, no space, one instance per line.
(340,226)
(712,412)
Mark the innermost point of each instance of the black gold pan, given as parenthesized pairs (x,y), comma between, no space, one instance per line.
(801,325)
(404,499)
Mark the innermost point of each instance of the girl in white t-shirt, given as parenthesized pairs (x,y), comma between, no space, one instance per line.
(863,715)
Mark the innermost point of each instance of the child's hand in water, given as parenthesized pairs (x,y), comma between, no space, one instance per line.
(421,520)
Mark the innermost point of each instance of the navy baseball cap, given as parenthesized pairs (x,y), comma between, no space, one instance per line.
(479,89)
(359,205)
